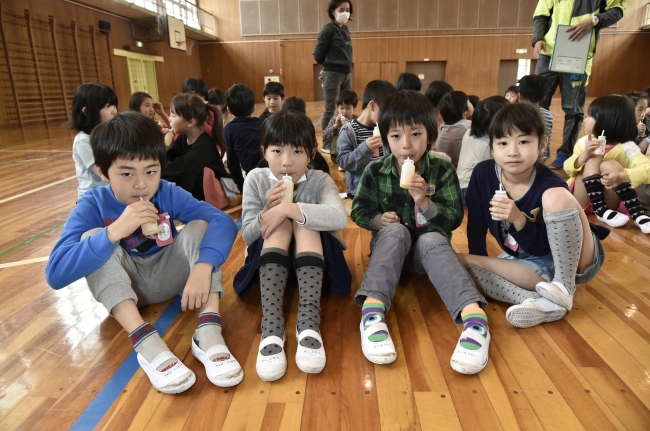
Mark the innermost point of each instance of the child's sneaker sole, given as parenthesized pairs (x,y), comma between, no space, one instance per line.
(526,315)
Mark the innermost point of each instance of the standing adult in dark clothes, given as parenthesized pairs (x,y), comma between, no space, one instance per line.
(586,18)
(334,52)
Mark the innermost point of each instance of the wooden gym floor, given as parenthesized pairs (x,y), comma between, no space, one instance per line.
(65,364)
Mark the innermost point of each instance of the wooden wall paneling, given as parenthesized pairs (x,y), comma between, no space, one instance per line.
(75,36)
(488,13)
(39,82)
(468,11)
(94,51)
(58,65)
(448,14)
(9,68)
(509,14)
(298,68)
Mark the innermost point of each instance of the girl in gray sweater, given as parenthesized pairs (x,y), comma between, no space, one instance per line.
(289,144)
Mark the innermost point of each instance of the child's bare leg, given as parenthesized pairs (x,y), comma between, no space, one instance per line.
(310,267)
(512,271)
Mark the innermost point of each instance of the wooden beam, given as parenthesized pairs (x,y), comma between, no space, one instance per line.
(76,49)
(58,64)
(28,19)
(11,73)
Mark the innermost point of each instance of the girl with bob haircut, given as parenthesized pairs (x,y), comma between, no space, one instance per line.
(604,180)
(143,103)
(93,103)
(308,218)
(548,245)
(194,150)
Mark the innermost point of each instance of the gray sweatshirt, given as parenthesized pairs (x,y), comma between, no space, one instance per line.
(316,195)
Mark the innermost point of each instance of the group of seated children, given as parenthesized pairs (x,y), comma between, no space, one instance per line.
(410,198)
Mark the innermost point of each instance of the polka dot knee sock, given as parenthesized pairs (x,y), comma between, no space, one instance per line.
(497,287)
(274,271)
(309,270)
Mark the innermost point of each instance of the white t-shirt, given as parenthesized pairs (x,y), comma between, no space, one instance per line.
(473,151)
(84,164)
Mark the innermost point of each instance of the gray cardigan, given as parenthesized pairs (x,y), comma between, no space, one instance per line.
(317,197)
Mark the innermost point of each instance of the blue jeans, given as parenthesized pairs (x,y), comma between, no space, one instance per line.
(333,82)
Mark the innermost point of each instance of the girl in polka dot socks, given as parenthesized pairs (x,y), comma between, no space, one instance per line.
(279,218)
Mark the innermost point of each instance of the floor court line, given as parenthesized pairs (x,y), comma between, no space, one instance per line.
(105,398)
(37,189)
(24,262)
(28,240)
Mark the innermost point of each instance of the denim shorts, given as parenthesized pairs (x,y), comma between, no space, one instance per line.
(544,267)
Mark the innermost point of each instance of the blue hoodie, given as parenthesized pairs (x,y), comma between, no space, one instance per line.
(73,258)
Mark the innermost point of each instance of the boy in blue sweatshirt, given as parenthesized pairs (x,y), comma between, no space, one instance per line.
(103,241)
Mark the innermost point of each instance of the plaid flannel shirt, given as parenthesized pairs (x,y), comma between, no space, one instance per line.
(379,192)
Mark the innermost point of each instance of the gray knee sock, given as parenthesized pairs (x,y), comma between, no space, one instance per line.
(274,271)
(564,230)
(147,342)
(309,270)
(497,287)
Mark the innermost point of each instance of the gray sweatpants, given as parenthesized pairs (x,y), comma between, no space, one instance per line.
(151,279)
(432,255)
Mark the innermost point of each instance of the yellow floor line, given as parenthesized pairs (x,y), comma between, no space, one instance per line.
(24,262)
(37,189)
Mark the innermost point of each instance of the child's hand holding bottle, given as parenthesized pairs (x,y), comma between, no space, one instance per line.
(133,216)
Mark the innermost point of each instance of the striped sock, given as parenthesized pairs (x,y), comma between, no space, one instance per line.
(596,195)
(209,334)
(476,320)
(372,313)
(147,342)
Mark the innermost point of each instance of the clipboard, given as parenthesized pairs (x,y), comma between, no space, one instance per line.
(569,56)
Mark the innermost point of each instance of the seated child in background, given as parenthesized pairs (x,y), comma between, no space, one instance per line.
(197,86)
(474,100)
(103,241)
(218,101)
(295,104)
(532,89)
(289,144)
(512,94)
(436,91)
(416,221)
(273,97)
(356,144)
(640,106)
(346,104)
(243,134)
(93,103)
(548,245)
(456,111)
(602,182)
(476,141)
(194,149)
(143,103)
(408,81)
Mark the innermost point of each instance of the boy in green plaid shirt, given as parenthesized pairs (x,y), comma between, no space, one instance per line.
(414,222)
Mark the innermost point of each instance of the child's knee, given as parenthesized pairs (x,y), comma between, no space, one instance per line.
(610,165)
(558,198)
(397,231)
(430,241)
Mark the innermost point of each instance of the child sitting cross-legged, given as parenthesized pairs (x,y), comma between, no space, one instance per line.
(309,218)
(104,242)
(416,220)
(548,244)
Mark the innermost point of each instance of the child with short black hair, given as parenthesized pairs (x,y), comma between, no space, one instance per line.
(640,106)
(93,103)
(194,150)
(217,99)
(103,241)
(294,103)
(532,89)
(436,91)
(273,98)
(476,141)
(243,133)
(456,111)
(415,221)
(547,242)
(356,144)
(309,219)
(604,180)
(408,81)
(346,104)
(196,85)
(512,94)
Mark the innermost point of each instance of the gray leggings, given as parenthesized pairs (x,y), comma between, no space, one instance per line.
(432,255)
(152,279)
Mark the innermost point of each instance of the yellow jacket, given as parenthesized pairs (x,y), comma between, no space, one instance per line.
(636,164)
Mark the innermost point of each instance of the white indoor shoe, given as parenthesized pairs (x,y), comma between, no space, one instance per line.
(176,379)
(532,312)
(225,373)
(273,367)
(377,352)
(617,220)
(466,361)
(555,292)
(310,360)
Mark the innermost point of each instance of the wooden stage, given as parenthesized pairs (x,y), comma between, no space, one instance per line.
(64,363)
